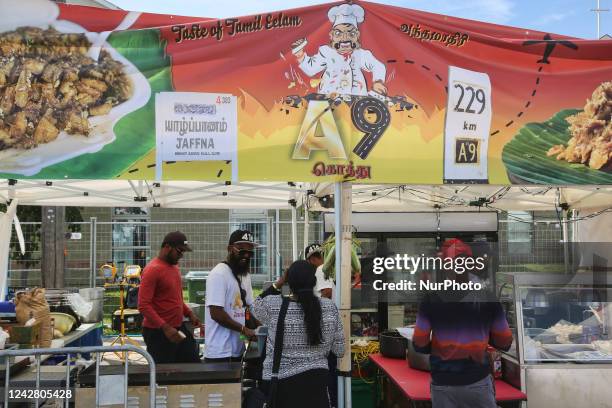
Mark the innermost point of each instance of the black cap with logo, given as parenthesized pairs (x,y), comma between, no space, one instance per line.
(312,249)
(177,239)
(242,237)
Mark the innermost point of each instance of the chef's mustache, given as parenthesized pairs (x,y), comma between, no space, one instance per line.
(337,44)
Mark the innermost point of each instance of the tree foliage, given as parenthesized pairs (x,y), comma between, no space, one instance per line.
(33,213)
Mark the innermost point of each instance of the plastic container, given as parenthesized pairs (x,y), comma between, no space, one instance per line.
(363,394)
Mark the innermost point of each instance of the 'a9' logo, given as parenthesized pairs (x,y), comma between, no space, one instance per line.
(372,117)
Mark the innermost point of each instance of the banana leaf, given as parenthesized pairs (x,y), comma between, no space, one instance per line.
(526,161)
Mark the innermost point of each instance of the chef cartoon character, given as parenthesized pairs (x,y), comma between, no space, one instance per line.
(343,60)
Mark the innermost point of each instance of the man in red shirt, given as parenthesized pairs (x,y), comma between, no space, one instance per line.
(160,300)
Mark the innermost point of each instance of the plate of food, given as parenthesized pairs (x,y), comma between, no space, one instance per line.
(56,102)
(572,147)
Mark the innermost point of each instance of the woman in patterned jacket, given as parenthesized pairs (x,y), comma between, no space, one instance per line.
(313,329)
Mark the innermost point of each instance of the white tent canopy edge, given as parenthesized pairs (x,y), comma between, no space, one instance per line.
(422,198)
(280,195)
(142,193)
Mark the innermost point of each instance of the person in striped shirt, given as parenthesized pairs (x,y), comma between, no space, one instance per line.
(456,328)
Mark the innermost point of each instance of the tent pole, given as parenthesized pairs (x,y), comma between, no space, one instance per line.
(565,242)
(277,245)
(306,228)
(294,251)
(92,250)
(342,211)
(6,230)
(574,225)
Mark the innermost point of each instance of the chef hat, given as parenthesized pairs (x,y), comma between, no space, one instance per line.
(346,14)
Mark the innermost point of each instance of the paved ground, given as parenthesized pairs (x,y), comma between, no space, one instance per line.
(117,358)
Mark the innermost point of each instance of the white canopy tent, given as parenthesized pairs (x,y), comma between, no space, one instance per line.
(358,197)
(410,198)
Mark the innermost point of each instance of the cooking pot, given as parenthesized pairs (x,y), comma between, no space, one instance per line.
(393,344)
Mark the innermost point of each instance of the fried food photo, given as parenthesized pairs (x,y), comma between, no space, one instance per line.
(591,132)
(49,85)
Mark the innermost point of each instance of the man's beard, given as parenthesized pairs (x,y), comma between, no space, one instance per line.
(171,260)
(241,268)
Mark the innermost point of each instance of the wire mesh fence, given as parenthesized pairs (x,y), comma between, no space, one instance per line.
(527,238)
(136,243)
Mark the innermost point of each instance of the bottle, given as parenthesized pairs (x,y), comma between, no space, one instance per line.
(247,315)
(495,361)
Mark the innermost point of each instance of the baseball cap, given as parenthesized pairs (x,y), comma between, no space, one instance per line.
(178,240)
(242,237)
(311,250)
(455,247)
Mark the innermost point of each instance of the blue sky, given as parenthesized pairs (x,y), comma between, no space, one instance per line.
(568,17)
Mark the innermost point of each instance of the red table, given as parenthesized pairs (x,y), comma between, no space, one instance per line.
(415,383)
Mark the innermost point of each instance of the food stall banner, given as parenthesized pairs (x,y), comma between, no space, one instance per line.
(342,91)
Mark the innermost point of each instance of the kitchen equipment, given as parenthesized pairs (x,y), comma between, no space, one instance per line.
(542,368)
(63,322)
(393,344)
(58,300)
(193,384)
(59,303)
(96,297)
(416,360)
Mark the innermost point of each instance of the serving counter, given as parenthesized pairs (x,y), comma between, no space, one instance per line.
(414,384)
(562,351)
(194,384)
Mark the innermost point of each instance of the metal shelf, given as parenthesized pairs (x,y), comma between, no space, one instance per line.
(364,310)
